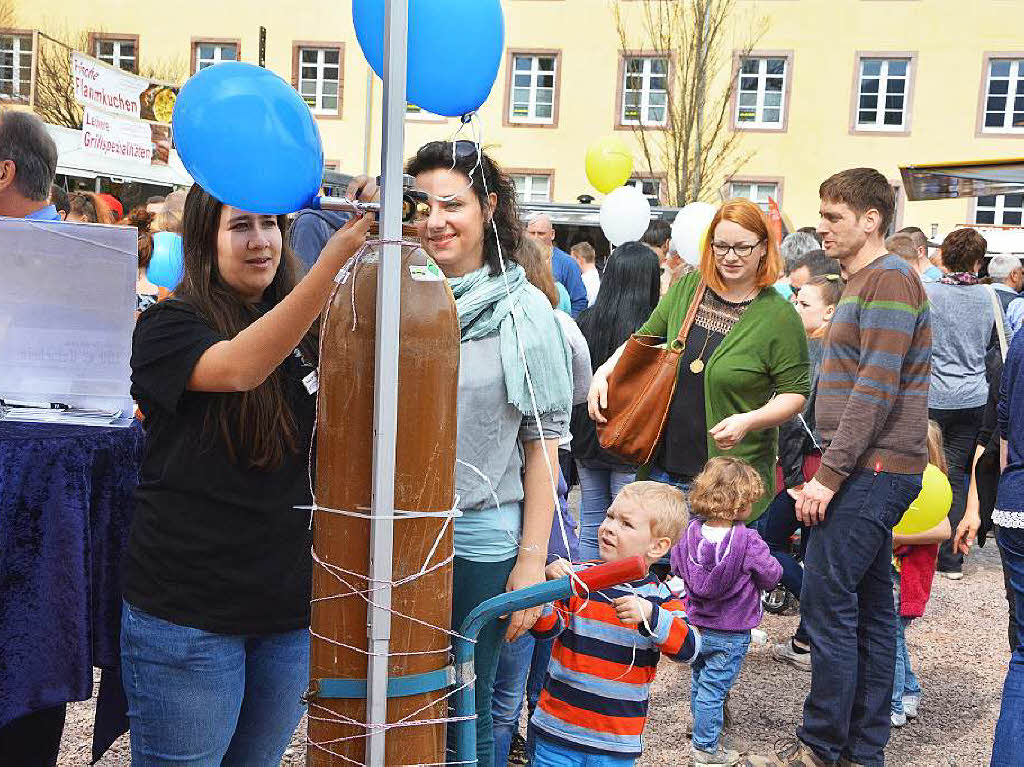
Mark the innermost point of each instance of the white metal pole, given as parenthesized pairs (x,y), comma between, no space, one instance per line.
(385,408)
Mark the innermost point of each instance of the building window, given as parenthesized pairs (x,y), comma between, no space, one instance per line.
(532,95)
(422,115)
(755,191)
(1000,210)
(651,188)
(206,54)
(644,91)
(1004,96)
(882,94)
(15,67)
(532,187)
(320,79)
(118,52)
(761,92)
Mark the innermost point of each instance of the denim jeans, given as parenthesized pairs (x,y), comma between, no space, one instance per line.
(776,527)
(1008,750)
(204,699)
(959,437)
(1012,631)
(847,609)
(547,753)
(905,683)
(598,488)
(714,671)
(522,667)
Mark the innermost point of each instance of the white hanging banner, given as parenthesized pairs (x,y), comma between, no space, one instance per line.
(145,143)
(100,85)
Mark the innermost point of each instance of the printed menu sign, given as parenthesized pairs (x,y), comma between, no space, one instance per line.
(125,139)
(113,90)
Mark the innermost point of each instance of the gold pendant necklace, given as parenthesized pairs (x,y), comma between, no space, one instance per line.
(697,366)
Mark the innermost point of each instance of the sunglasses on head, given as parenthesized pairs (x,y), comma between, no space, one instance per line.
(463,147)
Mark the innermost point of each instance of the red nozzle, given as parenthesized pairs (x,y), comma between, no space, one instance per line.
(613,573)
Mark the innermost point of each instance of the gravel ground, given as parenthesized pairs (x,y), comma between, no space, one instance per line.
(958,650)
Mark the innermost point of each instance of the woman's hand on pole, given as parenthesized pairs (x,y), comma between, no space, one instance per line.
(528,571)
(345,242)
(362,188)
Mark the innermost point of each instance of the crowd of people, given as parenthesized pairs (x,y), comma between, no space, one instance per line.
(818,377)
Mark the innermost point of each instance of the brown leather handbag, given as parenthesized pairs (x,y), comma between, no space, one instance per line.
(640,391)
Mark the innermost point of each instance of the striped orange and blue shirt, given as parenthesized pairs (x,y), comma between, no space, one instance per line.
(598,682)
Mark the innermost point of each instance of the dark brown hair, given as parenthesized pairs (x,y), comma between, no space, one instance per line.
(538,269)
(862,189)
(89,206)
(963,249)
(141,218)
(257,425)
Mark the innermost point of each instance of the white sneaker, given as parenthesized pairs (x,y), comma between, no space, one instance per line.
(785,653)
(952,575)
(898,720)
(910,704)
(720,757)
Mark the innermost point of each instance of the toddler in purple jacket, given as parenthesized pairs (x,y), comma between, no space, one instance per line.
(725,566)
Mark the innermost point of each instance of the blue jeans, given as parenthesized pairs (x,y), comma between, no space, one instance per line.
(598,488)
(522,667)
(203,699)
(848,612)
(714,671)
(547,753)
(1008,750)
(905,683)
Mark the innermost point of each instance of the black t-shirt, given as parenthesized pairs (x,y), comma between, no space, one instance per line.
(214,544)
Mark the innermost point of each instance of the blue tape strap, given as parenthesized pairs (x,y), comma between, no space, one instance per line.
(398,686)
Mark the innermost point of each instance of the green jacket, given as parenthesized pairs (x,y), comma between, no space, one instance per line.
(763,355)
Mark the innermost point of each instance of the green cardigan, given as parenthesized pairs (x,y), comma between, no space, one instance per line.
(763,355)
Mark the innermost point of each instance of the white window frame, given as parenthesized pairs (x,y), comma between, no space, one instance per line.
(218,54)
(18,63)
(534,73)
(998,209)
(320,65)
(528,193)
(116,58)
(882,95)
(1015,78)
(761,92)
(645,75)
(639,181)
(753,192)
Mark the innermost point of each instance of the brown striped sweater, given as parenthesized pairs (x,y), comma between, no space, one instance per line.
(872,396)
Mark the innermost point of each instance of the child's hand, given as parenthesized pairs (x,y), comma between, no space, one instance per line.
(560,568)
(632,610)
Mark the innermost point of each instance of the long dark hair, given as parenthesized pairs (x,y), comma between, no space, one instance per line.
(257,425)
(438,155)
(630,288)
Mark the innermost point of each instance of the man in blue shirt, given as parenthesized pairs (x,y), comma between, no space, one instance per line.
(28,163)
(563,266)
(1007,279)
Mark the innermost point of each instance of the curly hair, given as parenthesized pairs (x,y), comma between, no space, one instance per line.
(487,177)
(726,489)
(963,250)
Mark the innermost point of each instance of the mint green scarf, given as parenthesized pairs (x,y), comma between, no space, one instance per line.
(485,308)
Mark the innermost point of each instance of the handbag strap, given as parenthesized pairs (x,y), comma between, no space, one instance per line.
(684,330)
(997,308)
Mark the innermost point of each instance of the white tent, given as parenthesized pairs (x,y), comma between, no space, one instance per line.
(74,160)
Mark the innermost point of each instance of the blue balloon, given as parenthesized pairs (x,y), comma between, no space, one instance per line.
(455,49)
(165,265)
(248,138)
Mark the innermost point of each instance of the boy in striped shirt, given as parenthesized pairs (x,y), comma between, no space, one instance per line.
(594,705)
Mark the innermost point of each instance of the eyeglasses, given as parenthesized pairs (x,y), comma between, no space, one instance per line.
(742,251)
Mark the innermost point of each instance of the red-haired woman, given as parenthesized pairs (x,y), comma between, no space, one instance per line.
(744,368)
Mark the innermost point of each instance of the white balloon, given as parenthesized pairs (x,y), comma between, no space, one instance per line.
(625,215)
(689,227)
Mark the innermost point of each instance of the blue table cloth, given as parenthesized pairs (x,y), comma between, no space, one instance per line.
(66,502)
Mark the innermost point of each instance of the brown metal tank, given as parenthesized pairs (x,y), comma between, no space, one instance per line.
(424,481)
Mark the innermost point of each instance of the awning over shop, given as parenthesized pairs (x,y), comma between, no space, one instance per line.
(941,181)
(74,160)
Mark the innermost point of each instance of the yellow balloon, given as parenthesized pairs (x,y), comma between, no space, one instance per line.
(930,507)
(609,164)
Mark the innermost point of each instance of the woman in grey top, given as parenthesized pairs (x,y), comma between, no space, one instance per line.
(514,365)
(963,329)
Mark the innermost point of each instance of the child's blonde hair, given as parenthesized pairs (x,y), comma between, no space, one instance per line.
(936,450)
(666,504)
(726,489)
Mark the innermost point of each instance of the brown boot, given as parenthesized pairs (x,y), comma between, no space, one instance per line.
(792,754)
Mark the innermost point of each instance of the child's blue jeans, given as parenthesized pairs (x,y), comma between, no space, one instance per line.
(714,671)
(547,753)
(905,683)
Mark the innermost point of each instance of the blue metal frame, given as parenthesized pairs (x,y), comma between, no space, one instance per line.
(398,686)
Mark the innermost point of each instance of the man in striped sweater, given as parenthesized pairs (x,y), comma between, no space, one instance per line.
(872,411)
(593,707)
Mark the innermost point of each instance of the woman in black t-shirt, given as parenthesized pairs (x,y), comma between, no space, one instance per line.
(214,635)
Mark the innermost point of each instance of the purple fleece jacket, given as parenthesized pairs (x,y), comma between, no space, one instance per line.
(724,580)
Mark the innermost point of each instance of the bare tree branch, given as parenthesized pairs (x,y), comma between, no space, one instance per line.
(7,15)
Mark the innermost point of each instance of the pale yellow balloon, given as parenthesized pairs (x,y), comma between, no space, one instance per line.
(609,164)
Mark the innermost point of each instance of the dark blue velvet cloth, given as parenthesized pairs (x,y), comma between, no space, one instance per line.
(66,503)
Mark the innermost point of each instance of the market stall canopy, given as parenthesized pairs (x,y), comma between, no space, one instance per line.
(580,215)
(941,181)
(74,160)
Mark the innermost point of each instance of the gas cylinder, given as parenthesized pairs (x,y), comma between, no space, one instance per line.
(424,481)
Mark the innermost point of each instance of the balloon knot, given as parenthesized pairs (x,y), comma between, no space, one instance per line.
(467,118)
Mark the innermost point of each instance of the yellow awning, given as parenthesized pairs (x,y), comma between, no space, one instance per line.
(942,181)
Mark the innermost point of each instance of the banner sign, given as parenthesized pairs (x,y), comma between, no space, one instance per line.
(100,85)
(131,140)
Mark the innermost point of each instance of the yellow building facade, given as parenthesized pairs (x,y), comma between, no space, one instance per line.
(831,84)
